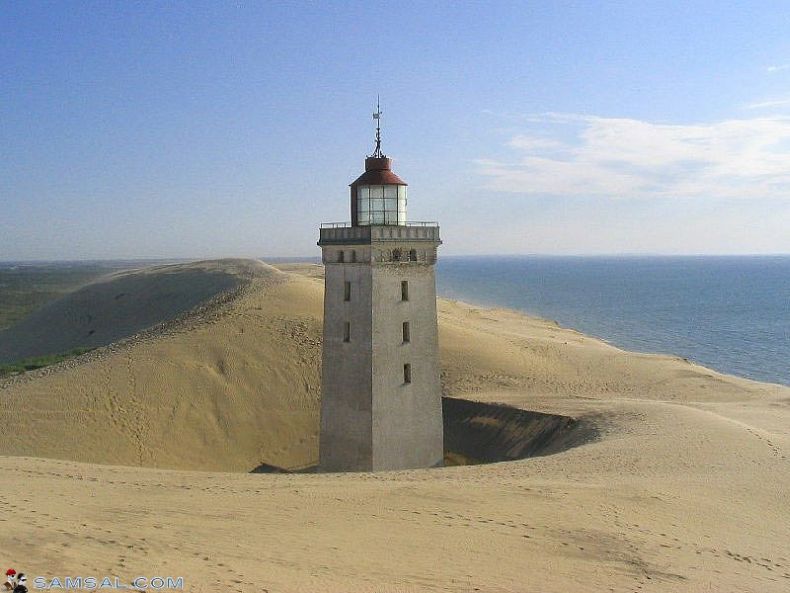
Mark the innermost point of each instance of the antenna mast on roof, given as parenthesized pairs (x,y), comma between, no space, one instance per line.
(377,117)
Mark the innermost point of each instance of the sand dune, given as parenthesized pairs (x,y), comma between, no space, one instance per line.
(685,488)
(228,389)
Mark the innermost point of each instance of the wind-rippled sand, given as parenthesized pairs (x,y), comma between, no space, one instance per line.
(686,488)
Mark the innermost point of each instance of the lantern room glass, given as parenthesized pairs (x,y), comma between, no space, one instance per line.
(381,205)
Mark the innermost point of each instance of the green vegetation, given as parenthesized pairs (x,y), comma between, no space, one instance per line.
(37,362)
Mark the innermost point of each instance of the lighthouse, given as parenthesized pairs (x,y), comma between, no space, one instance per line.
(381,403)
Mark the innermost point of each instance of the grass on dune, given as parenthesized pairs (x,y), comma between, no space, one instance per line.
(37,362)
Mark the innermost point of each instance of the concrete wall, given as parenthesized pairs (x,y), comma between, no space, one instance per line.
(407,417)
(371,419)
(346,371)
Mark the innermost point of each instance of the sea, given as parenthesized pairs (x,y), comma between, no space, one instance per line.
(731,314)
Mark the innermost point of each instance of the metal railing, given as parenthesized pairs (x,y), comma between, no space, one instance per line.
(414,223)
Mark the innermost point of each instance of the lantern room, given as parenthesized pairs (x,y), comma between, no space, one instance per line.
(378,196)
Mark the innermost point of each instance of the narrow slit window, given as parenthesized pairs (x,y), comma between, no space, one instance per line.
(406,332)
(353,256)
(347,291)
(341,256)
(404,290)
(347,331)
(412,255)
(407,373)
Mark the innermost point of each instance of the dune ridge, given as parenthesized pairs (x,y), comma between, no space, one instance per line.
(122,304)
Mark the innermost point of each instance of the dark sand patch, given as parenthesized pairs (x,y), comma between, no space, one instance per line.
(116,307)
(476,432)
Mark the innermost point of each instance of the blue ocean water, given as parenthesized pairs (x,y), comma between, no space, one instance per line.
(731,314)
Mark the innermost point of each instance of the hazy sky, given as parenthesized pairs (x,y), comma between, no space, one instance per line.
(211,129)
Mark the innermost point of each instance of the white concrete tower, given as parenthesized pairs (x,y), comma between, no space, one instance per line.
(381,403)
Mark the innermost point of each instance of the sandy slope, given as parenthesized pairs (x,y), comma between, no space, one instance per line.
(687,490)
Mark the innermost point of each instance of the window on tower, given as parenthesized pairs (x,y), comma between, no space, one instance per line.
(347,291)
(406,332)
(347,331)
(404,290)
(407,373)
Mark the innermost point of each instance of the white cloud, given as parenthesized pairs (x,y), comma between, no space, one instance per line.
(777,67)
(567,154)
(770,103)
(532,143)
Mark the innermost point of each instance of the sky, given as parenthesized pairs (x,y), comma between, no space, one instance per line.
(219,129)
